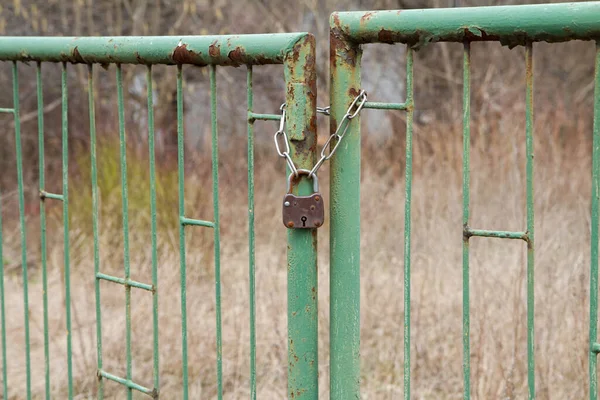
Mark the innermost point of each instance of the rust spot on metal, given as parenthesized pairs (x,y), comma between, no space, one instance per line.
(181,55)
(466,233)
(366,16)
(386,36)
(237,56)
(139,58)
(339,45)
(76,57)
(214,50)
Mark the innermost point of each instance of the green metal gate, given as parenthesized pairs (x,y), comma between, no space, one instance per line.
(510,25)
(296,52)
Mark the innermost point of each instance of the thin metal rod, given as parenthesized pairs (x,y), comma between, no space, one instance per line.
(594,232)
(530,225)
(407,217)
(94,176)
(153,237)
(182,266)
(466,200)
(126,282)
(65,188)
(385,106)
(3,315)
(251,239)
(264,117)
(217,236)
(495,234)
(7,110)
(46,195)
(43,255)
(196,222)
(127,383)
(124,197)
(15,76)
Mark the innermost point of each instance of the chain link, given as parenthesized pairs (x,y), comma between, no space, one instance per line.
(357,105)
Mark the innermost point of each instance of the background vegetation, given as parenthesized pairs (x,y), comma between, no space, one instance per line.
(563,105)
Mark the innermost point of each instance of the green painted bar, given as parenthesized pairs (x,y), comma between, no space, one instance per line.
(7,110)
(126,282)
(594,231)
(43,255)
(385,106)
(407,217)
(53,196)
(23,234)
(264,117)
(251,237)
(153,237)
(302,295)
(196,222)
(199,50)
(344,210)
(94,177)
(183,220)
(495,234)
(217,232)
(3,314)
(125,200)
(466,200)
(596,347)
(510,25)
(127,383)
(65,186)
(530,224)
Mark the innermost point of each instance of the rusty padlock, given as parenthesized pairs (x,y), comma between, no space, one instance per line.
(303,212)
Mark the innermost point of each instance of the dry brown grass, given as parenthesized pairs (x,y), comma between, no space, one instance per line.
(497,281)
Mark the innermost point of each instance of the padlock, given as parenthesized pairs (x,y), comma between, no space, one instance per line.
(303,212)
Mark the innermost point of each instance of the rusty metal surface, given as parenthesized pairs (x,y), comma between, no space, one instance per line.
(231,50)
(510,25)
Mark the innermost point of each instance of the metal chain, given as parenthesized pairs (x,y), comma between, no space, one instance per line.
(342,127)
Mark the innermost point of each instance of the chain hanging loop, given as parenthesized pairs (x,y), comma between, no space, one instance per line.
(327,152)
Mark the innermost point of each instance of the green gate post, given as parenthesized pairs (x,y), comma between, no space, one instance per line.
(301,122)
(345,221)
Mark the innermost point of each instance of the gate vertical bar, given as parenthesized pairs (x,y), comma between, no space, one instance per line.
(94,178)
(17,116)
(42,176)
(301,94)
(466,200)
(216,219)
(2,314)
(344,209)
(251,240)
(65,185)
(125,201)
(407,217)
(593,356)
(182,262)
(154,242)
(530,235)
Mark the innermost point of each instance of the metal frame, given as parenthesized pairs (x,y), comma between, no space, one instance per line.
(296,51)
(511,26)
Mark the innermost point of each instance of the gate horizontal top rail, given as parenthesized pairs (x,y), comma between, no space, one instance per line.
(511,26)
(223,50)
(296,52)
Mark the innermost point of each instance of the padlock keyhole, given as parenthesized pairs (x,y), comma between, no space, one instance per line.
(303,220)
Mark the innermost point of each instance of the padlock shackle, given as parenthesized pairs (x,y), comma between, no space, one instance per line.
(309,175)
